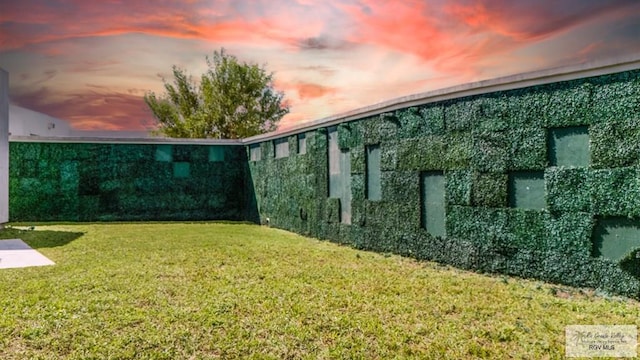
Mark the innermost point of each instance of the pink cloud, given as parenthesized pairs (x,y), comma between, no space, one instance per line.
(29,23)
(411,27)
(458,34)
(93,109)
(307,90)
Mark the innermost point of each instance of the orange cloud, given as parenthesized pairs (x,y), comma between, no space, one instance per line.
(413,27)
(305,90)
(308,91)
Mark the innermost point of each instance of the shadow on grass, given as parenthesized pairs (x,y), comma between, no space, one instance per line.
(41,238)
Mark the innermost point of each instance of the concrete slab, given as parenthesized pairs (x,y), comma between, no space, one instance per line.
(15,253)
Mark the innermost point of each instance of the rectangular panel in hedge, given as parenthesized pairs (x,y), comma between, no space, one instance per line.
(432,202)
(334,163)
(527,190)
(255,152)
(373,186)
(614,238)
(339,175)
(569,146)
(302,143)
(281,148)
(164,153)
(345,180)
(181,170)
(216,154)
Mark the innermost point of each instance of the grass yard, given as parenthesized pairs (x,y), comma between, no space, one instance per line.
(213,290)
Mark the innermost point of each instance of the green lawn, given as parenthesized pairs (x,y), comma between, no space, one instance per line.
(200,291)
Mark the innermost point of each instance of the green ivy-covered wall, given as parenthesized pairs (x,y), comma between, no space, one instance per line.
(540,182)
(52,181)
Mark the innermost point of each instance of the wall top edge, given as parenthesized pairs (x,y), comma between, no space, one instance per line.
(511,82)
(137,141)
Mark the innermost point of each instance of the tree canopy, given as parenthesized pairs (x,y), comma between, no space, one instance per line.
(232,100)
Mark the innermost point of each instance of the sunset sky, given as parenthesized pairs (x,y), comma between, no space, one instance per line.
(90,62)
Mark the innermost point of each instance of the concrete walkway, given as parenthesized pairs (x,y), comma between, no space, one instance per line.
(15,253)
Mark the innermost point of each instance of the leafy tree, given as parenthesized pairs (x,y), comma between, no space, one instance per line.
(232,100)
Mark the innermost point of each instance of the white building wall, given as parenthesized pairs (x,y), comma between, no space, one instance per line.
(4,147)
(25,122)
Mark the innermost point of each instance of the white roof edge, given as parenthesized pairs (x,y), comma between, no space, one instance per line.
(511,82)
(138,141)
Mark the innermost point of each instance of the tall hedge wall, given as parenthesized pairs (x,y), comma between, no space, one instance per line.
(541,182)
(107,182)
